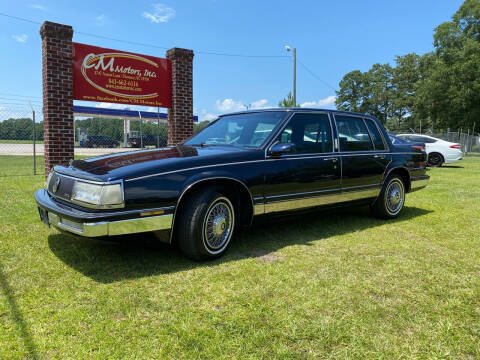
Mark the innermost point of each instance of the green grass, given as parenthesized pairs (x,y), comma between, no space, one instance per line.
(20,141)
(334,285)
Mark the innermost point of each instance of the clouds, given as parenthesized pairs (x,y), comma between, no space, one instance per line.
(161,13)
(326,102)
(206,116)
(100,20)
(21,38)
(230,105)
(38,7)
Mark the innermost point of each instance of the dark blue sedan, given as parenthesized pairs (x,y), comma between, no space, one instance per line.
(240,166)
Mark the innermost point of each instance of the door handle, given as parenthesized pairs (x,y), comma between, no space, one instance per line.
(334,159)
(379,156)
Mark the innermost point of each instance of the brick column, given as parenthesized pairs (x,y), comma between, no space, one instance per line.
(57,93)
(180,115)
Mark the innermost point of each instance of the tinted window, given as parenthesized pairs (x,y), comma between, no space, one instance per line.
(352,134)
(310,133)
(419,138)
(375,135)
(424,139)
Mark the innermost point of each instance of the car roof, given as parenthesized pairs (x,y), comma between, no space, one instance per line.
(297,109)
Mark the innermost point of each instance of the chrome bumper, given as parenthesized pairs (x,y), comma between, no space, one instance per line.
(105,223)
(112,228)
(419,183)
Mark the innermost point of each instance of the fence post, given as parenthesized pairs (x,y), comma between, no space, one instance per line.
(141,130)
(34,150)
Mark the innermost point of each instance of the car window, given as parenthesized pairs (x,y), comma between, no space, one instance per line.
(352,134)
(419,138)
(427,140)
(375,135)
(242,130)
(311,133)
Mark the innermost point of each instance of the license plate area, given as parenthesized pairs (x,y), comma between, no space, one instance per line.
(43,216)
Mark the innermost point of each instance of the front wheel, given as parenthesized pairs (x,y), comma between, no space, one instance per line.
(390,202)
(206,225)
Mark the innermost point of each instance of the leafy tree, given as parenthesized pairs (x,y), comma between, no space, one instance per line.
(288,101)
(440,89)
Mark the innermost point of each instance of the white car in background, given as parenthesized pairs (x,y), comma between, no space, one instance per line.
(439,151)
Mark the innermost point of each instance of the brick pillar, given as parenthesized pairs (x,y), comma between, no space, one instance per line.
(57,93)
(180,115)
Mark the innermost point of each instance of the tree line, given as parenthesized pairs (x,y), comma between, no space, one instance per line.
(440,89)
(22,128)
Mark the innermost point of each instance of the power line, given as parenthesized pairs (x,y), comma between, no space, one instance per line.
(26,100)
(150,45)
(24,96)
(315,76)
(20,18)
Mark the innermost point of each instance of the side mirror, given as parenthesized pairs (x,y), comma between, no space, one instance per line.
(282,148)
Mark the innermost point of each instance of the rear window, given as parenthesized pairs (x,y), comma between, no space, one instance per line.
(353,134)
(375,135)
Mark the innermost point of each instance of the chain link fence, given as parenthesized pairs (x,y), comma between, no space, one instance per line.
(22,149)
(21,137)
(469,141)
(108,135)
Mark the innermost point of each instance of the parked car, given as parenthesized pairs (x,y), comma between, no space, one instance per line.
(201,191)
(148,140)
(396,141)
(439,151)
(95,141)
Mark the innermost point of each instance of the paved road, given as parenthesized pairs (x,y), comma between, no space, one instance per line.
(27,149)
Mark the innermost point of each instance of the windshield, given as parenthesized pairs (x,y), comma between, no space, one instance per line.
(243,130)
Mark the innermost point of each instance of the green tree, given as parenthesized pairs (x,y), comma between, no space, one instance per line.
(440,89)
(288,101)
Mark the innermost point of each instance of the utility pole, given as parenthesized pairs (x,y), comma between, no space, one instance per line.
(294,53)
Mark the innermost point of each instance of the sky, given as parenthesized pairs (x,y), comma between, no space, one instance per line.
(332,38)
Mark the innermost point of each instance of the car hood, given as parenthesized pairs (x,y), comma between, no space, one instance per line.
(148,162)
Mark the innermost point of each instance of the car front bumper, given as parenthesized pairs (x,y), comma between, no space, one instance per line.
(99,224)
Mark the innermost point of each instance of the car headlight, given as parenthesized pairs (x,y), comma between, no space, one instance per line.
(98,195)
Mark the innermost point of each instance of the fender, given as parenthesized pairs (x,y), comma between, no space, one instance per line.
(396,166)
(223,175)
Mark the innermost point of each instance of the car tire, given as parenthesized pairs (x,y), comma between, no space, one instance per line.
(435,159)
(206,225)
(391,199)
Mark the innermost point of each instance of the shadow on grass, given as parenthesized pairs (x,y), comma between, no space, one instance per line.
(142,255)
(17,316)
(452,166)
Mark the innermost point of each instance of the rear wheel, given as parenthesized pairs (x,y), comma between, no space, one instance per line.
(390,202)
(206,225)
(435,159)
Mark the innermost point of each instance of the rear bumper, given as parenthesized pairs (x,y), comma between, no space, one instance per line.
(419,182)
(453,158)
(99,224)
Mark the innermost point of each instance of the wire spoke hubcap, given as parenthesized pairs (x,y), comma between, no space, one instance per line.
(395,197)
(218,224)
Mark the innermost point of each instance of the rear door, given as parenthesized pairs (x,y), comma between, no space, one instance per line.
(364,155)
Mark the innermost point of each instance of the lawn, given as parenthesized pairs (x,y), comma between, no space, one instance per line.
(333,285)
